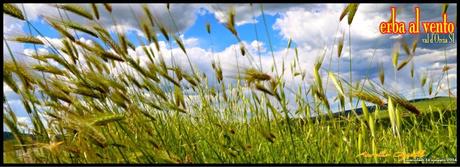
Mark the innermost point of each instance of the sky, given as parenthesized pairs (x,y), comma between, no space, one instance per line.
(313,28)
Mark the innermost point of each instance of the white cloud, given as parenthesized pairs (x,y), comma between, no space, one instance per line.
(12,26)
(313,28)
(245,13)
(51,42)
(7,89)
(191,42)
(183,14)
(40,51)
(399,36)
(242,13)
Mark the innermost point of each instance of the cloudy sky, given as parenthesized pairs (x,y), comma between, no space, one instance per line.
(313,29)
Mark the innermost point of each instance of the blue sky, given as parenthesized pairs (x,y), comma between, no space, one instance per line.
(310,26)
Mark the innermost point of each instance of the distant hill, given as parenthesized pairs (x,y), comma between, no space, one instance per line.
(371,109)
(7,136)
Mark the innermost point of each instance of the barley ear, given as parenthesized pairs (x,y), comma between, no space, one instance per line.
(26,39)
(344,12)
(76,9)
(208,28)
(242,49)
(414,45)
(395,56)
(13,11)
(8,78)
(423,79)
(79,27)
(103,120)
(337,84)
(231,22)
(444,8)
(108,7)
(340,46)
(164,32)
(96,12)
(352,12)
(404,63)
(405,47)
(391,113)
(381,74)
(372,125)
(180,43)
(430,88)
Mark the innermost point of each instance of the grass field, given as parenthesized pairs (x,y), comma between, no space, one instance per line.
(444,107)
(95,103)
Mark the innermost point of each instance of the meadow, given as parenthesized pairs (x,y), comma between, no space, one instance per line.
(96,103)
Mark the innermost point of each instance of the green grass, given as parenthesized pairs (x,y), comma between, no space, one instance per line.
(144,113)
(304,136)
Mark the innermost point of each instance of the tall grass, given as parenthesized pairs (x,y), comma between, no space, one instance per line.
(102,105)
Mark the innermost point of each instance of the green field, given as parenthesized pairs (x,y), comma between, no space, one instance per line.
(426,132)
(102,106)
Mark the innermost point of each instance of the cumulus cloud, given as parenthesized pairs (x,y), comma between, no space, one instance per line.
(316,28)
(309,29)
(245,13)
(11,27)
(125,14)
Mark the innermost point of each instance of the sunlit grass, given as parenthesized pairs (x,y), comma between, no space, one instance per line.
(104,106)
